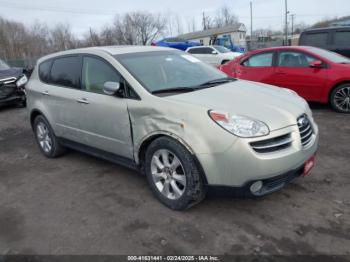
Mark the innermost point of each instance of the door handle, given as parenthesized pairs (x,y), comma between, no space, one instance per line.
(45,93)
(82,101)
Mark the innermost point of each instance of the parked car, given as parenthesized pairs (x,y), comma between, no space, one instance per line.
(12,81)
(214,55)
(184,123)
(336,39)
(315,74)
(175,42)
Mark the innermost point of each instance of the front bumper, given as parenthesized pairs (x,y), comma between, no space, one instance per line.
(240,164)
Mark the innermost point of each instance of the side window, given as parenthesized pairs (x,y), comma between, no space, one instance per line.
(342,38)
(44,71)
(97,72)
(259,60)
(201,50)
(66,71)
(315,39)
(192,50)
(294,59)
(207,51)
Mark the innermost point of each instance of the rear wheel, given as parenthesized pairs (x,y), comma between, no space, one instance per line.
(46,138)
(173,174)
(340,98)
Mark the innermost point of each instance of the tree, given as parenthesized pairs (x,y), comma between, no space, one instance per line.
(61,38)
(224,17)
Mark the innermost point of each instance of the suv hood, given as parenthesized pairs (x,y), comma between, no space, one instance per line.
(275,106)
(12,72)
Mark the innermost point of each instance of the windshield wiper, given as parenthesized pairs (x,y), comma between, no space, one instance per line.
(174,89)
(194,88)
(218,81)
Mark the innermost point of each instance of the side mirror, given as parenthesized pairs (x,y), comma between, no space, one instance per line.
(214,52)
(111,88)
(316,64)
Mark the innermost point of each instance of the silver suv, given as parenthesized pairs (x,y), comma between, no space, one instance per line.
(183,123)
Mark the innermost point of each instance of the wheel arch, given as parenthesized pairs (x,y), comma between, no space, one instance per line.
(33,114)
(335,86)
(141,149)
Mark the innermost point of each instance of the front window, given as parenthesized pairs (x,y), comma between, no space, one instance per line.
(3,65)
(96,73)
(222,49)
(334,57)
(164,70)
(294,59)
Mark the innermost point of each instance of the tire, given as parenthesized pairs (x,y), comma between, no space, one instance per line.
(46,139)
(180,179)
(340,98)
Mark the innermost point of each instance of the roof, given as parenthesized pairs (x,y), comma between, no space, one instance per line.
(112,50)
(326,28)
(214,31)
(301,48)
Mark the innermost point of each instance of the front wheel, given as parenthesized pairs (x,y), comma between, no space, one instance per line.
(340,98)
(173,174)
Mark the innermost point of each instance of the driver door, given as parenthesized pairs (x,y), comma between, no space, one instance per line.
(104,119)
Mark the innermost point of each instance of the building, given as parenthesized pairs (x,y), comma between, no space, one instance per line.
(237,33)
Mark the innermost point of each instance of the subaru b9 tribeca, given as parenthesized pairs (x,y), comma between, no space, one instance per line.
(183,123)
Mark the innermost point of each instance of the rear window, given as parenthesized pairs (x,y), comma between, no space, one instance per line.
(342,39)
(259,60)
(44,71)
(66,72)
(315,39)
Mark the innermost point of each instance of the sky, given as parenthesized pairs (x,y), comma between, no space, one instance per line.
(83,14)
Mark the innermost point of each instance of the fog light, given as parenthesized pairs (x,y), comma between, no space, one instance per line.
(256,186)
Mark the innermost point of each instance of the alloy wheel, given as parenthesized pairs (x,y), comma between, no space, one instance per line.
(44,138)
(168,174)
(342,99)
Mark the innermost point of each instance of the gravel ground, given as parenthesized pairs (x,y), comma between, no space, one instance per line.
(78,204)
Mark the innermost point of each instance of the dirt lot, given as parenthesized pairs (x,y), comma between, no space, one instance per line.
(78,204)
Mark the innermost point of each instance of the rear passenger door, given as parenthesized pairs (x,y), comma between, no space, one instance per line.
(62,91)
(205,54)
(104,119)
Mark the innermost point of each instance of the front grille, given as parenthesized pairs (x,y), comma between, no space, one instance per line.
(305,129)
(273,144)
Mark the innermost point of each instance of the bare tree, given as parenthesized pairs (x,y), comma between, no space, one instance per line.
(61,38)
(147,26)
(224,17)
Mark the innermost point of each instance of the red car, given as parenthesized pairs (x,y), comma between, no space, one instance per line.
(315,74)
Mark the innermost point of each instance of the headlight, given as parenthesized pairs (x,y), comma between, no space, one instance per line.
(22,81)
(241,126)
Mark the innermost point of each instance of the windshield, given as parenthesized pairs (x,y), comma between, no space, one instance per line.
(164,70)
(334,57)
(222,49)
(3,65)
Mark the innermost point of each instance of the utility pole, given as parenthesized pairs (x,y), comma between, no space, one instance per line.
(292,16)
(251,20)
(286,25)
